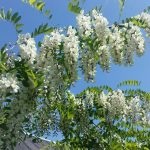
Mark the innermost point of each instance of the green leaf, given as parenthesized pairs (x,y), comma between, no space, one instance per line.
(9,14)
(40,6)
(32,77)
(32,2)
(129,83)
(121,4)
(44,28)
(74,8)
(14,18)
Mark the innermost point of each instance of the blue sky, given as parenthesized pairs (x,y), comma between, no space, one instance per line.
(62,17)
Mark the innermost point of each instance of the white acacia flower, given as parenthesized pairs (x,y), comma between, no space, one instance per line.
(100,25)
(118,103)
(135,109)
(116,45)
(84,24)
(52,40)
(134,42)
(9,82)
(145,17)
(71,51)
(104,57)
(27,47)
(71,45)
(88,65)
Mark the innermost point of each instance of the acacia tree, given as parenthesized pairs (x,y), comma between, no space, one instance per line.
(35,83)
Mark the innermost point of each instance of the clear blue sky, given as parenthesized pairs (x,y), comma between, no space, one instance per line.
(61,17)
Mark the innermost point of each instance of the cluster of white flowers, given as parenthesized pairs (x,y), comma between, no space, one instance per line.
(100,25)
(53,40)
(9,83)
(84,24)
(133,42)
(117,105)
(88,64)
(27,47)
(115,102)
(85,102)
(71,47)
(89,98)
(116,45)
(71,51)
(145,17)
(104,55)
(135,109)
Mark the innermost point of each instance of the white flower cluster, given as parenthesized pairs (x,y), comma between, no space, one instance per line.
(115,102)
(9,83)
(104,55)
(84,24)
(145,17)
(89,98)
(53,40)
(71,47)
(27,47)
(118,105)
(88,65)
(100,25)
(135,109)
(71,51)
(133,42)
(85,102)
(116,45)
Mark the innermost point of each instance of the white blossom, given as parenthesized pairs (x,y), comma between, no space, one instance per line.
(52,40)
(71,46)
(135,109)
(145,17)
(71,50)
(9,82)
(115,102)
(100,24)
(84,24)
(27,47)
(89,98)
(103,100)
(116,45)
(88,65)
(118,103)
(133,42)
(104,57)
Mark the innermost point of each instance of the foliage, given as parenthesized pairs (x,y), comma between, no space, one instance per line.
(14,18)
(40,6)
(42,29)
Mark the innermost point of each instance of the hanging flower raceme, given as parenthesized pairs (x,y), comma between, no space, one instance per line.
(52,40)
(133,42)
(104,55)
(132,109)
(88,64)
(135,109)
(115,102)
(9,83)
(100,25)
(27,47)
(145,18)
(48,62)
(71,51)
(84,24)
(116,45)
